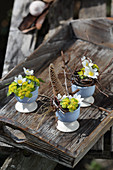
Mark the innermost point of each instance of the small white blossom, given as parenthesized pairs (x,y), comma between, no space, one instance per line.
(64,96)
(28,72)
(19,80)
(83,58)
(59,97)
(86,62)
(78,97)
(90,72)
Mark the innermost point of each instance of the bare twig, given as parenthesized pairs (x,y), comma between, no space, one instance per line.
(102,91)
(45,114)
(63,58)
(100,108)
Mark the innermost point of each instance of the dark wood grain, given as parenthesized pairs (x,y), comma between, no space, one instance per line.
(97,30)
(92,9)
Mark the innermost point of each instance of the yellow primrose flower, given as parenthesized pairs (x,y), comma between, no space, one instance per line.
(25,83)
(71,107)
(28,94)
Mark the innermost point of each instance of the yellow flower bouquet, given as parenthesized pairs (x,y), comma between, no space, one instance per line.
(23,86)
(25,89)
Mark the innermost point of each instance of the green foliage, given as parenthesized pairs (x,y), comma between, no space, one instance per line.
(81,73)
(95,66)
(26,88)
(71,104)
(94,166)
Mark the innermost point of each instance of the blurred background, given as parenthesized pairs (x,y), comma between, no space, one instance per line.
(5,18)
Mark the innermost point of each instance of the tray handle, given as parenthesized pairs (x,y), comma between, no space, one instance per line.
(5,123)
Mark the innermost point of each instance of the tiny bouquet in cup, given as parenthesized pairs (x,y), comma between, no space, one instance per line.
(85,79)
(25,89)
(67,106)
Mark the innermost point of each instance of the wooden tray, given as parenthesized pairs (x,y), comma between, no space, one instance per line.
(37,131)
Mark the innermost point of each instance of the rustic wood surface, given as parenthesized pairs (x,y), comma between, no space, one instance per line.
(43,138)
(98,31)
(93,9)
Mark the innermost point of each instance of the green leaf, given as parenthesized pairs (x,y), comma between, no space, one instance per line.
(9,93)
(41,80)
(7,84)
(38,84)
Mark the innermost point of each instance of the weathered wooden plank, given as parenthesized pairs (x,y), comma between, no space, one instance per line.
(19,45)
(92,9)
(99,146)
(97,31)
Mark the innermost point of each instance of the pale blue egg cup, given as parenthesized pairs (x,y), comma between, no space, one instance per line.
(67,122)
(86,93)
(27,104)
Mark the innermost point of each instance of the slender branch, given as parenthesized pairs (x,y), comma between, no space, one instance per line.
(102,91)
(100,108)
(65,72)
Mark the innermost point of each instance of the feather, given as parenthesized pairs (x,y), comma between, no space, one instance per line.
(55,82)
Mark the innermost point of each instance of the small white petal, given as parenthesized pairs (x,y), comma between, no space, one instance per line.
(83,58)
(59,96)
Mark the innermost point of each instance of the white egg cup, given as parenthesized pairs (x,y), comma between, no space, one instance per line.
(26,107)
(87,101)
(67,126)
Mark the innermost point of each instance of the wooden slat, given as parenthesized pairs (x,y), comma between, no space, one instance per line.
(92,9)
(97,31)
(19,45)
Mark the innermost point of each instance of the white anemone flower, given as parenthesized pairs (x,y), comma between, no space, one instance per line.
(87,63)
(59,97)
(19,80)
(78,97)
(90,72)
(64,96)
(28,72)
(83,58)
